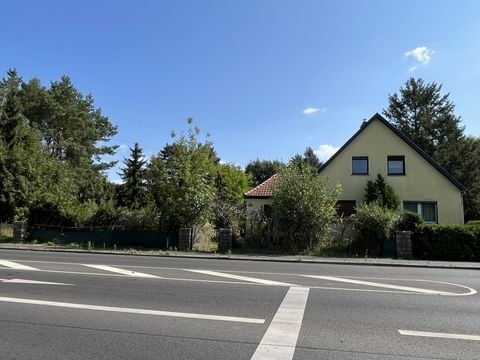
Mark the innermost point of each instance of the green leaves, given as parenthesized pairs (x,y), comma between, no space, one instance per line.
(303,208)
(382,193)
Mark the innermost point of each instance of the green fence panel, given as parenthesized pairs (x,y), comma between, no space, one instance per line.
(121,239)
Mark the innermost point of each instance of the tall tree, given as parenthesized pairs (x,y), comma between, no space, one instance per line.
(181,179)
(72,127)
(309,158)
(261,170)
(133,190)
(426,116)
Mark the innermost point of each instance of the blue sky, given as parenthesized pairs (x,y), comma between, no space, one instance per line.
(266,78)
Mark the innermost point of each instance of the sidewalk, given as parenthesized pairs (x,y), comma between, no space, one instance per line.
(254,257)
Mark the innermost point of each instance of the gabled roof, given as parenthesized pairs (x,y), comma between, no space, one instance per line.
(409,142)
(264,190)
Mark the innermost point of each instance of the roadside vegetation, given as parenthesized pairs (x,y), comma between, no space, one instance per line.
(55,150)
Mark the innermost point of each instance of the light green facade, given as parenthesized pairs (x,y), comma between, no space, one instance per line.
(422,182)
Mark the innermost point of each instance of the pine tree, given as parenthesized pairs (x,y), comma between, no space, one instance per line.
(427,117)
(133,190)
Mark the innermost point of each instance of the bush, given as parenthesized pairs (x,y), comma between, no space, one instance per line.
(374,225)
(382,193)
(408,221)
(304,207)
(447,242)
(473,223)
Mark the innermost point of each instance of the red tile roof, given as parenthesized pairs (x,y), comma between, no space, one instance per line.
(263,190)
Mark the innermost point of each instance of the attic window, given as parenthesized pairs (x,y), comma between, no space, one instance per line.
(396,165)
(360,165)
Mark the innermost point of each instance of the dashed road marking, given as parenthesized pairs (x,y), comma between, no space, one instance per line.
(280,340)
(121,271)
(16,266)
(34,282)
(238,277)
(132,310)
(439,335)
(381,285)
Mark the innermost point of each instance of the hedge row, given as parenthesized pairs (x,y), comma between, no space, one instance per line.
(447,242)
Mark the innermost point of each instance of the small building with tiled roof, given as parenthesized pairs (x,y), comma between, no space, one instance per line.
(259,199)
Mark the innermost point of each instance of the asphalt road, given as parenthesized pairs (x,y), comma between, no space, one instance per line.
(86,306)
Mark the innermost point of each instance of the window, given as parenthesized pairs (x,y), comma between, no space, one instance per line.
(346,208)
(396,165)
(427,210)
(360,165)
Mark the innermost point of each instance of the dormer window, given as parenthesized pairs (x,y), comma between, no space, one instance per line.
(360,165)
(396,165)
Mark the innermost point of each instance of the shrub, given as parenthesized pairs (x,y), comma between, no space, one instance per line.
(408,221)
(473,223)
(304,207)
(447,242)
(382,193)
(374,225)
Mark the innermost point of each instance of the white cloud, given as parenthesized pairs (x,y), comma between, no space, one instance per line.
(422,55)
(312,110)
(324,152)
(122,147)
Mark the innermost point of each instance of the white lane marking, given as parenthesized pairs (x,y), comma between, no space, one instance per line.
(439,335)
(16,266)
(381,285)
(35,282)
(121,271)
(280,340)
(238,277)
(132,310)
(471,291)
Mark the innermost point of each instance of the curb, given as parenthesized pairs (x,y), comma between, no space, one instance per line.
(366,262)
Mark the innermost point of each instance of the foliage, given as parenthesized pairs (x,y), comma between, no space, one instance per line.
(49,160)
(181,180)
(426,116)
(229,206)
(261,170)
(447,242)
(373,224)
(408,221)
(304,207)
(309,158)
(382,193)
(133,191)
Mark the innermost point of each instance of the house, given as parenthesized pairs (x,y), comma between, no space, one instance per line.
(422,185)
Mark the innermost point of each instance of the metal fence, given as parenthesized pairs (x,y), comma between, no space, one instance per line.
(99,237)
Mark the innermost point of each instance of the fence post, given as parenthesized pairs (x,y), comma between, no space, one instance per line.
(403,241)
(20,231)
(184,239)
(224,240)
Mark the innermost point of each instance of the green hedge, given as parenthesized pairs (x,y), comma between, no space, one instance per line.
(447,242)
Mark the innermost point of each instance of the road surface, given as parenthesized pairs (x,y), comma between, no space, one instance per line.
(88,306)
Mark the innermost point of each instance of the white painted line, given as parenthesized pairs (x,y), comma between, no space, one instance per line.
(35,282)
(439,335)
(16,266)
(121,271)
(132,311)
(381,285)
(280,340)
(242,278)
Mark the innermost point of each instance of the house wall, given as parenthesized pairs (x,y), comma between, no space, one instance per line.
(254,207)
(421,182)
(256,204)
